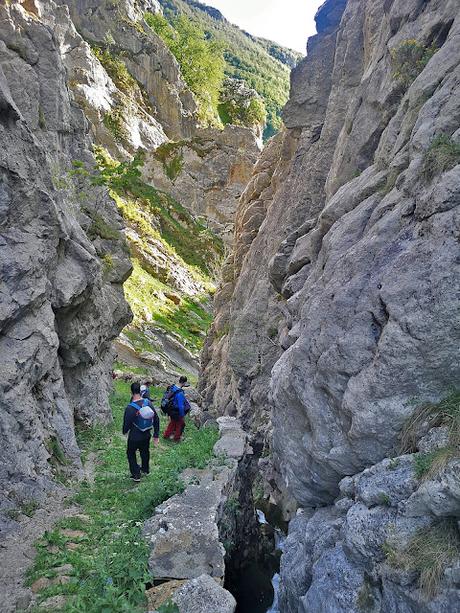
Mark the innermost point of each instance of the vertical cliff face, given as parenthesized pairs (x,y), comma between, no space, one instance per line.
(345,280)
(119,30)
(60,307)
(208,173)
(338,311)
(75,75)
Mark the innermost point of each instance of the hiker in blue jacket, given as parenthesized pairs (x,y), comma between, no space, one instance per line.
(178,407)
(139,420)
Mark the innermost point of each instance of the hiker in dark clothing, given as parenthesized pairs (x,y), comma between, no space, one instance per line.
(178,408)
(139,420)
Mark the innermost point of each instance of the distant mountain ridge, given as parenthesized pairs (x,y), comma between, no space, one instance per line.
(262,64)
(285,55)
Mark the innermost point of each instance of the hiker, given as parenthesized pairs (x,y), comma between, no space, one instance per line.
(176,405)
(139,420)
(145,390)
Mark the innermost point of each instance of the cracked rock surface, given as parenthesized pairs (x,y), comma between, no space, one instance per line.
(59,311)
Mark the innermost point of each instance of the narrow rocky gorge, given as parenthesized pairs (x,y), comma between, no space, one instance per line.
(331,347)
(108,179)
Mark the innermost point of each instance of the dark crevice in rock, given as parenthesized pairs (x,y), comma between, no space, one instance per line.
(251,559)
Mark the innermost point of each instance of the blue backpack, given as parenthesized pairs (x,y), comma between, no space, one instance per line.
(140,422)
(168,402)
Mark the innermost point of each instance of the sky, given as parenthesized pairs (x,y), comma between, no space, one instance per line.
(287,22)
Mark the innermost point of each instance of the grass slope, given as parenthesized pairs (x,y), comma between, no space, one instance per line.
(263,65)
(109,564)
(167,238)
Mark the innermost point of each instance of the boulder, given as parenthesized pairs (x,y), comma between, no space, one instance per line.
(183,534)
(203,595)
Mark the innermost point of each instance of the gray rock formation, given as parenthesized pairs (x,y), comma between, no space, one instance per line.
(200,595)
(120,118)
(339,304)
(358,563)
(183,535)
(207,173)
(357,310)
(203,595)
(59,306)
(119,28)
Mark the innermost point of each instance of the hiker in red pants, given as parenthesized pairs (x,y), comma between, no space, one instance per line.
(176,405)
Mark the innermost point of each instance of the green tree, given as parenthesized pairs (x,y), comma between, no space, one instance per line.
(200,59)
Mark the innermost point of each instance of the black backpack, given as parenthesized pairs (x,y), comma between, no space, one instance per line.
(167,402)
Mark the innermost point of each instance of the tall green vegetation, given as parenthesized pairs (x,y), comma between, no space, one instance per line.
(263,65)
(240,105)
(200,59)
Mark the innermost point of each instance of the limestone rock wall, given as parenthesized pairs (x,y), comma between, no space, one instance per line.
(207,173)
(59,305)
(163,102)
(344,272)
(363,538)
(338,312)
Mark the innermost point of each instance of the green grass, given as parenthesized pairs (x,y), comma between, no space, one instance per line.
(442,155)
(168,241)
(429,553)
(157,214)
(168,607)
(135,370)
(56,452)
(427,465)
(110,565)
(188,321)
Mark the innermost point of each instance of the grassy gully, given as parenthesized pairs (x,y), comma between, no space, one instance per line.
(102,545)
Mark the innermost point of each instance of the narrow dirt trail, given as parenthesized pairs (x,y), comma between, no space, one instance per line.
(17,551)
